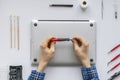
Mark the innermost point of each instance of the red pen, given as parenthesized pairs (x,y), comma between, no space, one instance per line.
(117,56)
(114,48)
(114,67)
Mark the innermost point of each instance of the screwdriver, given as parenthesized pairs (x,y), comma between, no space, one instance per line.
(114,75)
(60,39)
(117,56)
(61,5)
(114,48)
(114,67)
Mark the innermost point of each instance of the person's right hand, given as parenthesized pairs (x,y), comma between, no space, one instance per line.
(81,50)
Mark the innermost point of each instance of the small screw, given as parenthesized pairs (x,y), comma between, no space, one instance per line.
(91,60)
(35,60)
(91,24)
(35,24)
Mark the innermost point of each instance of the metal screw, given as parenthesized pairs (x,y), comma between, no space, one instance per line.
(35,60)
(91,24)
(91,60)
(35,24)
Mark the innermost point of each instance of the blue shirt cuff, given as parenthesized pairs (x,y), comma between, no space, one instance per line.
(36,75)
(90,73)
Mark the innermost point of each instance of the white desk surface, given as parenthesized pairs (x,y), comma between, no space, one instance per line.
(108,34)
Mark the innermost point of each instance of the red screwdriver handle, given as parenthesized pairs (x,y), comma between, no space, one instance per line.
(115,47)
(114,66)
(53,39)
(115,58)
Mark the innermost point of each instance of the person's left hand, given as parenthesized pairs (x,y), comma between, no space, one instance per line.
(47,52)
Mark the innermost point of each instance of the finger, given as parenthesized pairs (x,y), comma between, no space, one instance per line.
(82,40)
(75,44)
(78,42)
(52,47)
(47,41)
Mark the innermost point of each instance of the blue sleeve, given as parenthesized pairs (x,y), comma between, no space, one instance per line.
(87,73)
(90,73)
(36,75)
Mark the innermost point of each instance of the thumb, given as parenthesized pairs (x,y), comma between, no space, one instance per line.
(52,46)
(75,44)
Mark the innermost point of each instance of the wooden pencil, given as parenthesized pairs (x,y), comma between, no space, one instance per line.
(14,32)
(10,31)
(18,32)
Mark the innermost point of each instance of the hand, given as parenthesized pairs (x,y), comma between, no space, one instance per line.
(47,52)
(81,50)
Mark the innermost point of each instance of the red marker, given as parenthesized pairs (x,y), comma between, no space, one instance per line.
(114,48)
